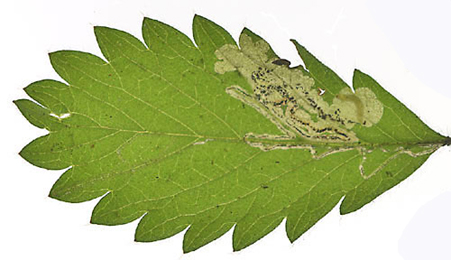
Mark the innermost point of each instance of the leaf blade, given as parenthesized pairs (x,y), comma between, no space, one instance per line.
(211,136)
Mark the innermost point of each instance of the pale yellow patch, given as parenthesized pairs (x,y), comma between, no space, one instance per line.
(289,98)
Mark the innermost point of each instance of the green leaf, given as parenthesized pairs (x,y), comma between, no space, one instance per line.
(216,135)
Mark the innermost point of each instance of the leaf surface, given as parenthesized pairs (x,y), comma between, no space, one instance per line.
(216,134)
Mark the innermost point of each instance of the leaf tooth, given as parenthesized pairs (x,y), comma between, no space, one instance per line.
(115,209)
(307,211)
(40,152)
(116,43)
(256,38)
(52,94)
(75,186)
(156,225)
(166,39)
(211,225)
(77,67)
(392,174)
(209,36)
(214,222)
(249,230)
(37,115)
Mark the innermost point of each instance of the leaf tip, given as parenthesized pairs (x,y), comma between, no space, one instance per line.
(92,219)
(98,29)
(187,250)
(345,207)
(147,20)
(247,32)
(21,153)
(52,56)
(137,238)
(238,246)
(357,72)
(251,34)
(199,17)
(447,141)
(52,194)
(101,32)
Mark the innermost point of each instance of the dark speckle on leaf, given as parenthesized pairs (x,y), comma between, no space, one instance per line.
(282,62)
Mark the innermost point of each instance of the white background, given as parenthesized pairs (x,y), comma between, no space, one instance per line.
(404,45)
